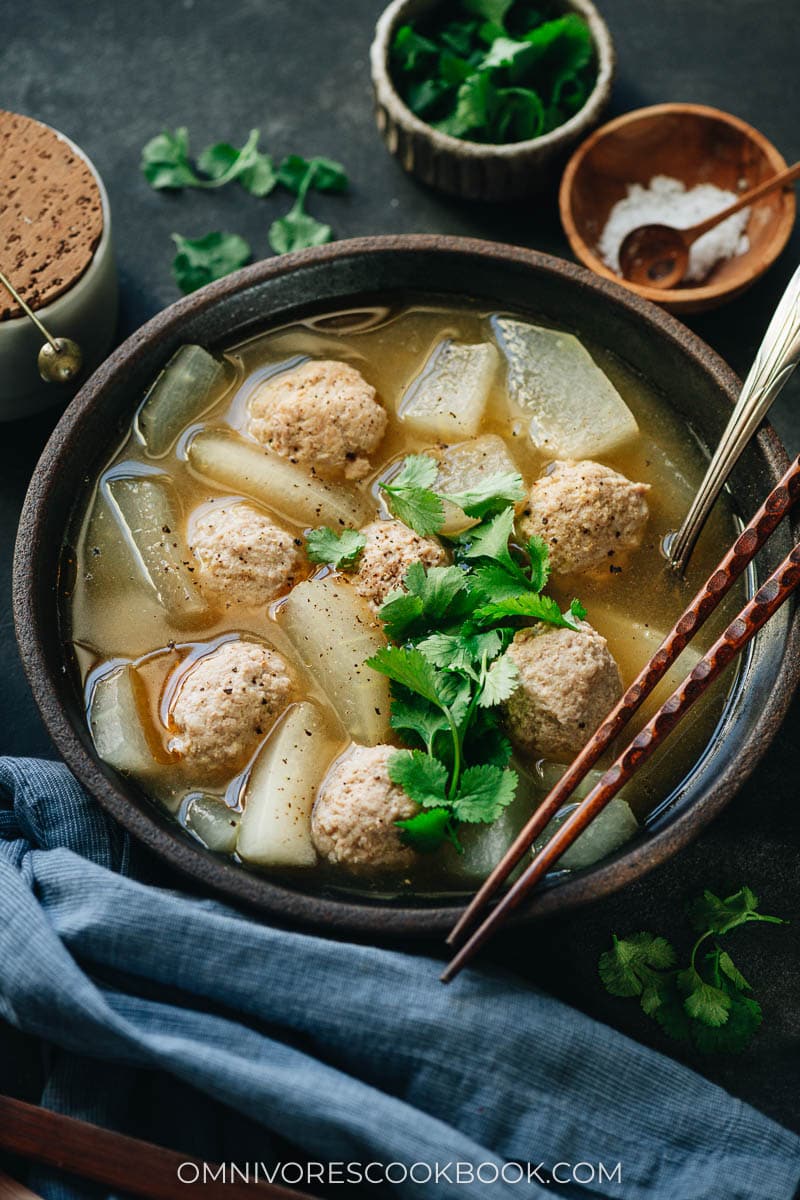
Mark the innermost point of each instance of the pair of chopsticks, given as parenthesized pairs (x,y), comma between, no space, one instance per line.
(123,1163)
(767,600)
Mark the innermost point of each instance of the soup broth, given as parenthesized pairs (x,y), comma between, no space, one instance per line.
(120,628)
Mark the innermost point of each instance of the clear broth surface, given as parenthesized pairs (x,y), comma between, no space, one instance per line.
(111,612)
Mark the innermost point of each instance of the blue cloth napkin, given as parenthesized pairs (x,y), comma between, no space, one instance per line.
(238,1039)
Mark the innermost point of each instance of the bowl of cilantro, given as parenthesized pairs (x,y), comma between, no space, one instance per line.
(484,98)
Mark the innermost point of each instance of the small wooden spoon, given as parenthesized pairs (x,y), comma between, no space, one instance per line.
(658,255)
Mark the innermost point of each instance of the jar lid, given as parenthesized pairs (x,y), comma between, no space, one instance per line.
(51,213)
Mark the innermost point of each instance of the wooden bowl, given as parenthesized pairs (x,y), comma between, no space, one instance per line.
(692,143)
(476,170)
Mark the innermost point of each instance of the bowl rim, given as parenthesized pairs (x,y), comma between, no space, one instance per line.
(676,299)
(388,95)
(340,915)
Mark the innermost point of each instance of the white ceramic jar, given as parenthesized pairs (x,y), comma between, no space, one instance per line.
(85,312)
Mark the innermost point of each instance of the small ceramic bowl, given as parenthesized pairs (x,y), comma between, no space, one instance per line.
(86,312)
(475,170)
(692,143)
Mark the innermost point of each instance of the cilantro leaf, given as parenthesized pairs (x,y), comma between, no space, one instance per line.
(297,231)
(721,916)
(539,555)
(744,1018)
(400,613)
(703,1001)
(448,650)
(417,471)
(202,260)
(411,51)
(728,968)
(417,716)
(421,777)
(490,496)
(576,610)
(487,743)
(429,598)
(411,669)
(165,160)
(500,681)
(527,604)
(339,550)
(483,793)
(166,164)
(490,540)
(428,829)
(326,175)
(476,99)
(223,163)
(421,510)
(491,582)
(625,969)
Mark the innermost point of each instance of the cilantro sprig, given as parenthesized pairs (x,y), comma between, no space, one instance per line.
(448,668)
(167,165)
(706,1002)
(411,497)
(338,550)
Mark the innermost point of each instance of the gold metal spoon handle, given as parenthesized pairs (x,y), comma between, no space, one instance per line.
(60,359)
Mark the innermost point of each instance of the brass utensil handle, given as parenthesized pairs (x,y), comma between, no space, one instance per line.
(777,357)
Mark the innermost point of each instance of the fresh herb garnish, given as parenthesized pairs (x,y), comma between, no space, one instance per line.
(495,71)
(338,550)
(411,498)
(298,229)
(327,175)
(166,164)
(703,1003)
(449,673)
(202,260)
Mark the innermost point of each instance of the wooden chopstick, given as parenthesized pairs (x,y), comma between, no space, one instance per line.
(121,1162)
(11,1190)
(768,599)
(744,549)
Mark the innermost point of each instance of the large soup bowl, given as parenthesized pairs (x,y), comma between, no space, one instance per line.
(391,270)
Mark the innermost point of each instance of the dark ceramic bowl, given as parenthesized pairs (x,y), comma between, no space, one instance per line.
(282,289)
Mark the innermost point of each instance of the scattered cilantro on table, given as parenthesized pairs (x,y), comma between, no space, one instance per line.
(167,166)
(451,626)
(704,1003)
(202,260)
(495,71)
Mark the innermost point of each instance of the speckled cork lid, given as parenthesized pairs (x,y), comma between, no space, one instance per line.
(51,213)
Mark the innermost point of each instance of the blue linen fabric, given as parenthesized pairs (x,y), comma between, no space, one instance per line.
(351,1053)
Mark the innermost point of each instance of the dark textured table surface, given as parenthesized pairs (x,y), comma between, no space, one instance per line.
(112,75)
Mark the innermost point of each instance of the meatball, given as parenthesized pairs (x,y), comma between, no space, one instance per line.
(323,413)
(242,556)
(225,704)
(390,550)
(586,513)
(568,682)
(353,822)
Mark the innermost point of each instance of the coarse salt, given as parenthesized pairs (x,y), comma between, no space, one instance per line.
(667,201)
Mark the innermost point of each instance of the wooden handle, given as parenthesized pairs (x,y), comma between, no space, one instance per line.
(11,1190)
(755,614)
(125,1163)
(746,546)
(769,185)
